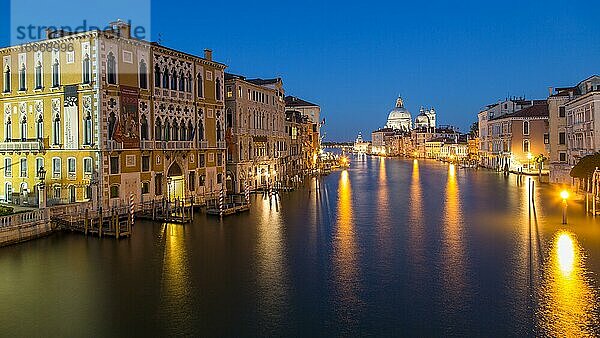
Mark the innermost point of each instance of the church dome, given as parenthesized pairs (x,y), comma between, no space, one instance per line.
(399,118)
(399,112)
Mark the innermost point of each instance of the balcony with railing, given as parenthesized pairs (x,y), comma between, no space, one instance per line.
(23,145)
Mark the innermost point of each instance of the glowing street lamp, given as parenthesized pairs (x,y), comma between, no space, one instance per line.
(564,195)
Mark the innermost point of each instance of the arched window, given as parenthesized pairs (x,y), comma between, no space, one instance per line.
(143,75)
(175,133)
(200,130)
(7,79)
(38,76)
(229,119)
(24,129)
(87,130)
(190,131)
(525,127)
(167,131)
(112,121)
(56,130)
(182,81)
(165,82)
(111,69)
(86,69)
(157,73)
(40,127)
(158,129)
(218,89)
(189,83)
(8,130)
(22,79)
(144,126)
(174,80)
(55,74)
(199,86)
(219,131)
(183,131)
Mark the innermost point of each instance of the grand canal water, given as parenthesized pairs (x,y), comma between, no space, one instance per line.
(389,247)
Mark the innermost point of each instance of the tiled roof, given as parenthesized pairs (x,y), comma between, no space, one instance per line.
(539,109)
(292,101)
(262,82)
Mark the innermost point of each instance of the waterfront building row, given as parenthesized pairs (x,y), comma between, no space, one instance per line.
(549,135)
(111,118)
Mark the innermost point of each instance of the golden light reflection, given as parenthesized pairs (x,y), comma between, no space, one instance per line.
(568,300)
(416,216)
(565,253)
(271,274)
(345,252)
(175,281)
(453,252)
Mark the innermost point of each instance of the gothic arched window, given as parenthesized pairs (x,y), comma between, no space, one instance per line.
(158,129)
(24,129)
(199,86)
(174,80)
(165,82)
(190,131)
(7,79)
(175,133)
(200,130)
(111,69)
(112,121)
(38,76)
(55,74)
(87,130)
(86,69)
(40,127)
(218,89)
(157,73)
(56,130)
(22,79)
(181,82)
(143,75)
(219,131)
(144,126)
(167,131)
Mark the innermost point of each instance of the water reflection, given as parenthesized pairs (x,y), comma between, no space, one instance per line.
(175,280)
(416,224)
(453,250)
(568,301)
(345,252)
(383,227)
(272,275)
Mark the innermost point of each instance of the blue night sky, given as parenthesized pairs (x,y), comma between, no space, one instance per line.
(354,58)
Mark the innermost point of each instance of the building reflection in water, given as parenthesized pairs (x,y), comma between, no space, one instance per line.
(453,250)
(272,274)
(568,301)
(383,227)
(175,279)
(345,251)
(416,223)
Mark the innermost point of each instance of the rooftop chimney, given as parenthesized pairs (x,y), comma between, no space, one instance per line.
(208,54)
(122,28)
(550,91)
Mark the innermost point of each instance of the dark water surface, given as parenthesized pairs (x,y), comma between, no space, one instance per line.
(389,247)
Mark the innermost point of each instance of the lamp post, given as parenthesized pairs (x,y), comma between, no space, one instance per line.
(564,195)
(42,188)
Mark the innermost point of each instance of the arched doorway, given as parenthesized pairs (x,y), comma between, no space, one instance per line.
(175,182)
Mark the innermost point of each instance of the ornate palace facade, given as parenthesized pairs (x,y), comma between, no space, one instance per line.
(109,117)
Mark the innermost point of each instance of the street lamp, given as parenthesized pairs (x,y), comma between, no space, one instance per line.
(41,188)
(564,195)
